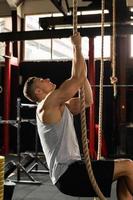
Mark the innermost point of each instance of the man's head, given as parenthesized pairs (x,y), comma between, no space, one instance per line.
(35,89)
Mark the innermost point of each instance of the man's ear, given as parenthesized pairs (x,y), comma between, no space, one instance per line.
(37,91)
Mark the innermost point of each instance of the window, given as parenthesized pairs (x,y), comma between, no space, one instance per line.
(131,45)
(38,50)
(58,48)
(5,26)
(98,46)
(61,48)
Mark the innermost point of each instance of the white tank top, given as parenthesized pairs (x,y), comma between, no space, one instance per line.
(59,144)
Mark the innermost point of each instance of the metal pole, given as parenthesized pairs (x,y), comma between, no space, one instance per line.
(18,136)
(91,65)
(7,98)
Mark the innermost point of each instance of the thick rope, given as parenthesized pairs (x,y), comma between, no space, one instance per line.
(83,123)
(2,163)
(100,129)
(75,19)
(113,78)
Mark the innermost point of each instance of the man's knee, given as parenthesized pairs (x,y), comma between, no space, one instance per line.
(129,166)
(122,167)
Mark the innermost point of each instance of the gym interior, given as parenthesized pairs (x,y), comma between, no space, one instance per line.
(35,41)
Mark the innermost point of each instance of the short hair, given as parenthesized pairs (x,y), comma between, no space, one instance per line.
(28,89)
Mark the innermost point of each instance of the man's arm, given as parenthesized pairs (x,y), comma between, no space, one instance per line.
(74,103)
(70,87)
(88,93)
(79,68)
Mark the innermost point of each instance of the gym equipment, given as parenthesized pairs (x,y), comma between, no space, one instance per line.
(35,167)
(27,160)
(36,159)
(9,187)
(9,168)
(22,164)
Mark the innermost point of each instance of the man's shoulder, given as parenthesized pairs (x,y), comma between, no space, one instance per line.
(50,113)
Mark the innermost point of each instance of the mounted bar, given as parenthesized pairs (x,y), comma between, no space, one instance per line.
(48,22)
(58,5)
(61,33)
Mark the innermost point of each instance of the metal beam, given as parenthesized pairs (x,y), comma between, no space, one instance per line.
(14,3)
(61,33)
(67,5)
(82,19)
(58,5)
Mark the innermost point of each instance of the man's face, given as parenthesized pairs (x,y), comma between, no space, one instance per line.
(44,84)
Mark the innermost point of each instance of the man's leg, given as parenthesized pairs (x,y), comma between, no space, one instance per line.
(122,190)
(123,172)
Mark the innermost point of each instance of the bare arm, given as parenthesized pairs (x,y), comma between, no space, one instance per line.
(79,68)
(88,93)
(54,102)
(74,103)
(70,87)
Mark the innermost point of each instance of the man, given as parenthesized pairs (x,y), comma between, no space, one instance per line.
(54,114)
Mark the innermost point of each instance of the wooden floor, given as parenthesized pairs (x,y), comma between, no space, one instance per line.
(41,187)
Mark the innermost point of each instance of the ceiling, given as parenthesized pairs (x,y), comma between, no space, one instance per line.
(123,19)
(28,7)
(32,7)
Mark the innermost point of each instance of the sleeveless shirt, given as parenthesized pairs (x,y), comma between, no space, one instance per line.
(59,144)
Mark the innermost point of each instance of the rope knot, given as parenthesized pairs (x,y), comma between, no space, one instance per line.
(113,80)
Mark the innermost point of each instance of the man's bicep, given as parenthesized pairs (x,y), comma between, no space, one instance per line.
(74,105)
(66,91)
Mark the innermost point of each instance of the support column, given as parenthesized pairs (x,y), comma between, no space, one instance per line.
(7,97)
(91,76)
(122,43)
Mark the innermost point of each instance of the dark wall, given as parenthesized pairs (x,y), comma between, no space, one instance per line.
(109,108)
(1,105)
(126,129)
(56,71)
(129,93)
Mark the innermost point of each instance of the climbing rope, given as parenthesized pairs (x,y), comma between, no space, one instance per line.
(83,123)
(100,128)
(114,78)
(2,163)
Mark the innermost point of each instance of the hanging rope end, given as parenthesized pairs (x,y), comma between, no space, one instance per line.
(114,80)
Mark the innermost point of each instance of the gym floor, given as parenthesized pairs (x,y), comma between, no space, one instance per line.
(45,191)
(41,187)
